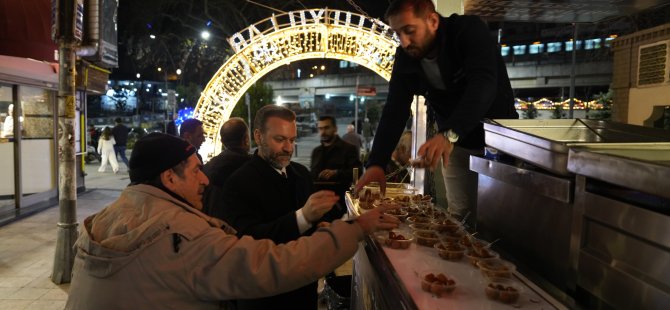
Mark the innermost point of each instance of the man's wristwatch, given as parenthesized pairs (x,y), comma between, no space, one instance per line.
(450,135)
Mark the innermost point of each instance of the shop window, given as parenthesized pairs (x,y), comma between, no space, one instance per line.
(519,49)
(504,50)
(553,47)
(37,112)
(536,48)
(592,44)
(568,45)
(6,149)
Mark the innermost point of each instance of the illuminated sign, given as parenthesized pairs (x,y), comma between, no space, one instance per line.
(285,38)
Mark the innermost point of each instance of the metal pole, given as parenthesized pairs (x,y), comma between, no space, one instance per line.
(572,71)
(67,224)
(247,101)
(356,109)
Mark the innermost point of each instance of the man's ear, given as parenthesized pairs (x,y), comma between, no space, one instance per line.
(167,178)
(257,136)
(433,20)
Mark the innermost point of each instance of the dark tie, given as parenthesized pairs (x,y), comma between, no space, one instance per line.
(283,174)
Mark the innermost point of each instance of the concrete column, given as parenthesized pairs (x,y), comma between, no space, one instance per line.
(448,7)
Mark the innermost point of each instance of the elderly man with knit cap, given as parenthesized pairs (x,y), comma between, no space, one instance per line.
(152,248)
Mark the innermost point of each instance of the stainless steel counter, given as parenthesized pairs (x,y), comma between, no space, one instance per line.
(622,218)
(581,232)
(546,143)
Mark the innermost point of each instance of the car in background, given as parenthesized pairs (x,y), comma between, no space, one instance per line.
(306,123)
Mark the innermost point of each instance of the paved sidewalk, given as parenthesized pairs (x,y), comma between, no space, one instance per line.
(27,246)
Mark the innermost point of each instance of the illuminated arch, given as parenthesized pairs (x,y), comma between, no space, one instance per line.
(281,39)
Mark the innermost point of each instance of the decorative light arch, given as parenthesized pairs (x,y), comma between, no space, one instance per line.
(282,39)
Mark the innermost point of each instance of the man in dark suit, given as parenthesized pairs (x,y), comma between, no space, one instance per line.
(271,197)
(235,139)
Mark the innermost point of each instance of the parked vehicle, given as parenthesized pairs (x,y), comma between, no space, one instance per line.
(307,123)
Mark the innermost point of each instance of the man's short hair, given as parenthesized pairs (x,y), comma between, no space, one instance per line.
(420,8)
(233,132)
(271,110)
(189,126)
(328,118)
(117,120)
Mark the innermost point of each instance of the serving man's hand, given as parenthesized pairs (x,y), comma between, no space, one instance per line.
(372,174)
(436,147)
(318,204)
(375,219)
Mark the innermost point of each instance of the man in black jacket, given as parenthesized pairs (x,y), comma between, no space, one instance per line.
(270,197)
(235,139)
(120,133)
(455,64)
(333,161)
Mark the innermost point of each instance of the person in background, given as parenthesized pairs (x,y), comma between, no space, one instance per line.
(235,139)
(106,145)
(152,248)
(455,64)
(368,133)
(353,138)
(270,197)
(171,128)
(333,161)
(120,133)
(191,130)
(8,124)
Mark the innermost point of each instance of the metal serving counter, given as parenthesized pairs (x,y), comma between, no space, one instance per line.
(545,143)
(529,201)
(622,218)
(386,278)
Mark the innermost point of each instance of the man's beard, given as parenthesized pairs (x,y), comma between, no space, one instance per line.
(328,139)
(273,158)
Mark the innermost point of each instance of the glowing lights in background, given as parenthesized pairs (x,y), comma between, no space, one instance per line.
(290,37)
(183,115)
(546,104)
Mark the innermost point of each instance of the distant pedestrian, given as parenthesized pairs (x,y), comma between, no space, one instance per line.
(191,131)
(120,133)
(368,133)
(354,138)
(106,145)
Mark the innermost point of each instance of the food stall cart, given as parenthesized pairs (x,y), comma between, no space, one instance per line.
(391,278)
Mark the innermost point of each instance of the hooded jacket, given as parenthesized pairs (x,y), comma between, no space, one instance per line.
(149,250)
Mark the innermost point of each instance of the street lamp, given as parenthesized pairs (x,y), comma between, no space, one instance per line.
(205,35)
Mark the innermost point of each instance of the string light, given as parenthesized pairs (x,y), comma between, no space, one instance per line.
(285,38)
(546,104)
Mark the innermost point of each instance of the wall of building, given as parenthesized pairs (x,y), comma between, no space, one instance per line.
(632,104)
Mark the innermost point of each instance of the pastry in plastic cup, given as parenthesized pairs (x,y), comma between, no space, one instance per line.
(447,225)
(421,226)
(398,213)
(450,251)
(474,257)
(418,219)
(426,237)
(503,290)
(414,211)
(437,284)
(452,237)
(395,240)
(496,268)
(480,246)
